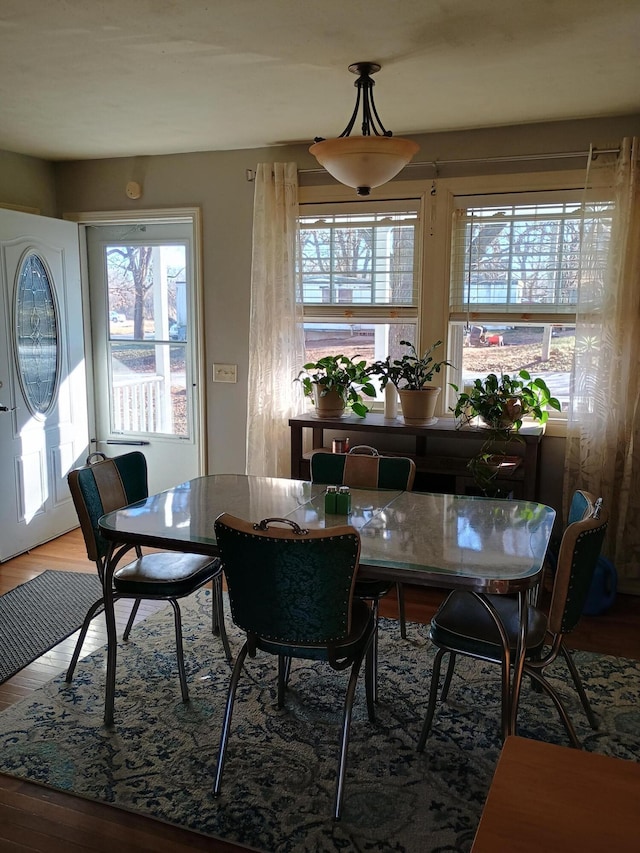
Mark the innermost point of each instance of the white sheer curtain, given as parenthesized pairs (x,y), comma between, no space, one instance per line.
(603,441)
(276,345)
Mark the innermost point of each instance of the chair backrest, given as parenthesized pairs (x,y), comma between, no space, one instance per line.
(102,487)
(582,505)
(363,471)
(579,552)
(286,584)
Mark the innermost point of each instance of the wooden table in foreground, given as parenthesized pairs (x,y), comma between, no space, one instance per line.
(546,798)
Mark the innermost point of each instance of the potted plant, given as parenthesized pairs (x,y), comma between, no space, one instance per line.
(501,403)
(335,382)
(412,375)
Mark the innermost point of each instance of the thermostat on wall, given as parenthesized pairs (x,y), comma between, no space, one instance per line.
(134,190)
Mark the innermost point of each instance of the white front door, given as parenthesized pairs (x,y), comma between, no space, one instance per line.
(141,281)
(43,391)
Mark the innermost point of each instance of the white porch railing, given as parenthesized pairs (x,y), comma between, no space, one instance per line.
(138,404)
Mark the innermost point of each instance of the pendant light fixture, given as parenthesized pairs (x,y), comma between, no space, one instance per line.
(369,160)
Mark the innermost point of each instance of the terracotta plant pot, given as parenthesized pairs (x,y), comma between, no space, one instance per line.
(512,412)
(331,405)
(418,406)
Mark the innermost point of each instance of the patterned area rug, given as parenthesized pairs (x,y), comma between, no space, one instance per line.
(40,613)
(278,786)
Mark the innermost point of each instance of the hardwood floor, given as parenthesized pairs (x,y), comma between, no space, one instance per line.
(34,818)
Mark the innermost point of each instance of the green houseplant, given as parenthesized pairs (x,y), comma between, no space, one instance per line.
(335,382)
(412,375)
(501,403)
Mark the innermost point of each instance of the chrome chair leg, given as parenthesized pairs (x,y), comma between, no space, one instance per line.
(81,638)
(218,626)
(179,650)
(368,682)
(402,618)
(344,740)
(562,711)
(226,723)
(375,608)
(130,620)
(112,651)
(506,697)
(579,687)
(287,670)
(284,664)
(447,679)
(433,695)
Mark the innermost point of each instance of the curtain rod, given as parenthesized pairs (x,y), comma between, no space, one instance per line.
(515,158)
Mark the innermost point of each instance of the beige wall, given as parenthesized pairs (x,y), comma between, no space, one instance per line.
(27,183)
(216,182)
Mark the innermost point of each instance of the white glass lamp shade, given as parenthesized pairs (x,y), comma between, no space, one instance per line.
(364,162)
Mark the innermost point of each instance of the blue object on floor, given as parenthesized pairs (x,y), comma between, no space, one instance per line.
(602,593)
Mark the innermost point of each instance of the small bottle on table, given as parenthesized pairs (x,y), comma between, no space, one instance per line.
(343,501)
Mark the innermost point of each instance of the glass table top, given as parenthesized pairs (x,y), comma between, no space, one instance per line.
(497,545)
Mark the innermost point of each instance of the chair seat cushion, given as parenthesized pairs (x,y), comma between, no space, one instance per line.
(362,626)
(463,624)
(168,574)
(372,589)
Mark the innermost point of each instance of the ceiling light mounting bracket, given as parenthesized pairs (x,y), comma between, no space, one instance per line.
(364,84)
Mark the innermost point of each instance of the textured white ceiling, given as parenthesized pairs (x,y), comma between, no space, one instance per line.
(86,79)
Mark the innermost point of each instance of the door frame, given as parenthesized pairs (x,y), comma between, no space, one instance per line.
(157,216)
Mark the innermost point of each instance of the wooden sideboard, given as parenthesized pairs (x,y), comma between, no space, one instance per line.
(441,451)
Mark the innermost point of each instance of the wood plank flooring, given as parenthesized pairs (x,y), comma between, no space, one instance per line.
(37,819)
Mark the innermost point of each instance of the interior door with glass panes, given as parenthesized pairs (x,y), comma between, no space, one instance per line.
(142,304)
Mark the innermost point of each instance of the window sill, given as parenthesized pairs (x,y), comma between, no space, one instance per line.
(556,427)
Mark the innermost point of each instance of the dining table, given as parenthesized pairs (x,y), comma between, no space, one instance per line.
(484,545)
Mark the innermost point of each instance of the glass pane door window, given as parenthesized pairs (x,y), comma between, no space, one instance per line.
(147,340)
(37,336)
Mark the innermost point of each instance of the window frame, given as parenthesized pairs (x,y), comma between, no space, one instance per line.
(438,199)
(369,313)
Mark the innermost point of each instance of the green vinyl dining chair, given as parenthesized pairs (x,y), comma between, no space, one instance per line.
(104,485)
(363,468)
(581,507)
(487,627)
(291,592)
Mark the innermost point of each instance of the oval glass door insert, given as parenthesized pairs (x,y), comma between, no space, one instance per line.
(37,339)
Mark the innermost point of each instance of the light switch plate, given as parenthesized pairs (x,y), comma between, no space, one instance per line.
(225,372)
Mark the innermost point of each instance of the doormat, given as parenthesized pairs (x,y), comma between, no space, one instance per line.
(40,613)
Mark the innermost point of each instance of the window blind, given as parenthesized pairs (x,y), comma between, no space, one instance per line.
(360,255)
(521,259)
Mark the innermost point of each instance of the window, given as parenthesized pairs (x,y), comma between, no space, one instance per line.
(514,279)
(358,268)
(147,340)
(37,336)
